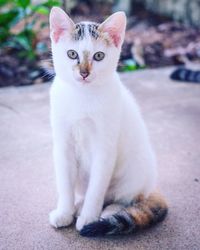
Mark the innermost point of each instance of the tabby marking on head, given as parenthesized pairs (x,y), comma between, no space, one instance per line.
(83,29)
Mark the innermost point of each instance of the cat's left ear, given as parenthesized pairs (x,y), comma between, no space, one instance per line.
(59,23)
(115,26)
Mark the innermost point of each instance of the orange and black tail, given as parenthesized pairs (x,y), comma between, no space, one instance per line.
(143,213)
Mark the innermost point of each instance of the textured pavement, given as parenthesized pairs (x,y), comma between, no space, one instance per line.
(27,186)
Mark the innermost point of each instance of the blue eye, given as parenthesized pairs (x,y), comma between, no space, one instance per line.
(72,54)
(98,56)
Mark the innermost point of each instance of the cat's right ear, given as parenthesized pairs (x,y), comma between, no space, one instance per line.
(60,23)
(115,26)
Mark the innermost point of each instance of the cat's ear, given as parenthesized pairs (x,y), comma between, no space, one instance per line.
(59,23)
(115,26)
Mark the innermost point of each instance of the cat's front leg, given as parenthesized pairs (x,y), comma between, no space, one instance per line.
(65,168)
(100,176)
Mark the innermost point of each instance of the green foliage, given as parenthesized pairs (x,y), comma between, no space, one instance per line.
(14,11)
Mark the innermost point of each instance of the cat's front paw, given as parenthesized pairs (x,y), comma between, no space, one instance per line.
(84,220)
(59,218)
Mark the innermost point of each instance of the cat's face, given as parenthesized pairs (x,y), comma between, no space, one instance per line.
(86,52)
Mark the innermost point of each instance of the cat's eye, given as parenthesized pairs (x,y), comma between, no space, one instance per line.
(98,56)
(72,54)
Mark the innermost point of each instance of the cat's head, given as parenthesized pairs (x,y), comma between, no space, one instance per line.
(85,52)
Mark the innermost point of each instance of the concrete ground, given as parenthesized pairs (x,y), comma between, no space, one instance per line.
(27,186)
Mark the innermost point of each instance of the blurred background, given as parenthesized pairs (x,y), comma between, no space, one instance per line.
(159,33)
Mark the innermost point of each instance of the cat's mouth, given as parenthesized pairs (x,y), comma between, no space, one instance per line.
(84,80)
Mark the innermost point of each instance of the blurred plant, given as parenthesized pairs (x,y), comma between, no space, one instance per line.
(15,11)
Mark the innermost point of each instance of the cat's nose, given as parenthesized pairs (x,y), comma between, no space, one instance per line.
(84,74)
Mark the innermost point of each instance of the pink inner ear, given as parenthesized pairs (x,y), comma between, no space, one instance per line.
(58,28)
(115,27)
(56,34)
(59,23)
(114,35)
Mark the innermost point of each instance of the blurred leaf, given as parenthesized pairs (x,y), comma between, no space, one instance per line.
(28,10)
(30,34)
(4,2)
(31,54)
(51,3)
(27,54)
(23,3)
(11,43)
(42,10)
(23,41)
(7,17)
(16,10)
(43,25)
(20,15)
(4,34)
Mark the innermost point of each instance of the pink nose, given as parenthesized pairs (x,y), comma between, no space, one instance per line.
(84,74)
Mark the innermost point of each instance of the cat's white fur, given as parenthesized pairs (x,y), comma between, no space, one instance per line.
(101,146)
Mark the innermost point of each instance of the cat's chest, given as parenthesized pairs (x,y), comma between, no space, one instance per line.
(84,134)
(83,128)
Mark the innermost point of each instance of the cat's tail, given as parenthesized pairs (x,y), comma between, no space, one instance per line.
(144,212)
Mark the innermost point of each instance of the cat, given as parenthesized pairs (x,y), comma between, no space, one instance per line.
(104,163)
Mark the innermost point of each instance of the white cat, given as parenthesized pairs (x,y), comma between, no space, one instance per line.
(105,167)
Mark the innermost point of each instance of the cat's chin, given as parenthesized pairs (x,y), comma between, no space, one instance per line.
(83,81)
